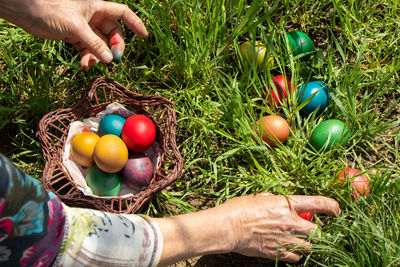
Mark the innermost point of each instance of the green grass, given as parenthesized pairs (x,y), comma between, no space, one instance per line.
(191,58)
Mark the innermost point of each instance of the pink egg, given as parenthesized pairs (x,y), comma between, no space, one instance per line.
(138,171)
(360,183)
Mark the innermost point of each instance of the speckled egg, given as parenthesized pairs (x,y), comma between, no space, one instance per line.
(103,183)
(329,133)
(110,153)
(111,124)
(82,147)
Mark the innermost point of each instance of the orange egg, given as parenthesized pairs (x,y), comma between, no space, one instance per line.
(274,128)
(110,153)
(82,147)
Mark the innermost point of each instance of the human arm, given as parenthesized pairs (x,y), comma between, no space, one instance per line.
(250,225)
(253,225)
(90,25)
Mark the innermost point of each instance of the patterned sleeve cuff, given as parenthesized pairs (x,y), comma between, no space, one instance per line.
(101,238)
(158,240)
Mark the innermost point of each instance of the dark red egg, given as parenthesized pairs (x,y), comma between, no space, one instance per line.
(138,133)
(138,171)
(306,215)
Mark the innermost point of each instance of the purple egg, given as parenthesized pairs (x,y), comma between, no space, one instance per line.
(138,171)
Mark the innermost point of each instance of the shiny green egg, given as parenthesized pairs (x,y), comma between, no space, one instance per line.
(103,183)
(329,133)
(300,44)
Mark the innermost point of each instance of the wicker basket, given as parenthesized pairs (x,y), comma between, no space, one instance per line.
(53,130)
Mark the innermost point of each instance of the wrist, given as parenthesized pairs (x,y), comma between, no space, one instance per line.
(9,9)
(190,235)
(18,12)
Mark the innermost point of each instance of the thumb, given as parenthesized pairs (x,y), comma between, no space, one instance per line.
(94,43)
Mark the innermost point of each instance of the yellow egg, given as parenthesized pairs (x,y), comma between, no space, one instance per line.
(82,147)
(110,153)
(254,52)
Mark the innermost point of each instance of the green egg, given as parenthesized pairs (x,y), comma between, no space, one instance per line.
(329,133)
(300,43)
(103,183)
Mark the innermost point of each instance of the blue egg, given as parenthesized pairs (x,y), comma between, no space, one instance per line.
(318,102)
(111,124)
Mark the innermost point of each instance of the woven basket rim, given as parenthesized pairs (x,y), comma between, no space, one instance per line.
(58,121)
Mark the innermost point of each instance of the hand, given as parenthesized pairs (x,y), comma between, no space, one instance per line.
(262,223)
(87,24)
(255,225)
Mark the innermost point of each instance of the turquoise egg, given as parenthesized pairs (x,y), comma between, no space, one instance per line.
(103,183)
(319,94)
(111,124)
(329,133)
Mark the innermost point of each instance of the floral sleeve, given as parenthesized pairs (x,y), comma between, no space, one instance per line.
(36,229)
(32,220)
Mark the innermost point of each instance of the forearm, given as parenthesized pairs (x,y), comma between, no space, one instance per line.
(194,234)
(11,9)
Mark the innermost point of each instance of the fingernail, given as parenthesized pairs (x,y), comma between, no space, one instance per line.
(92,62)
(116,55)
(107,56)
(142,30)
(144,33)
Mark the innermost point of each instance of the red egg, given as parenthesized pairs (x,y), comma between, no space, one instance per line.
(138,171)
(274,128)
(138,133)
(283,89)
(359,182)
(306,215)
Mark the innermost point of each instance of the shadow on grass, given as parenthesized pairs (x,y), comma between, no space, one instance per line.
(229,259)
